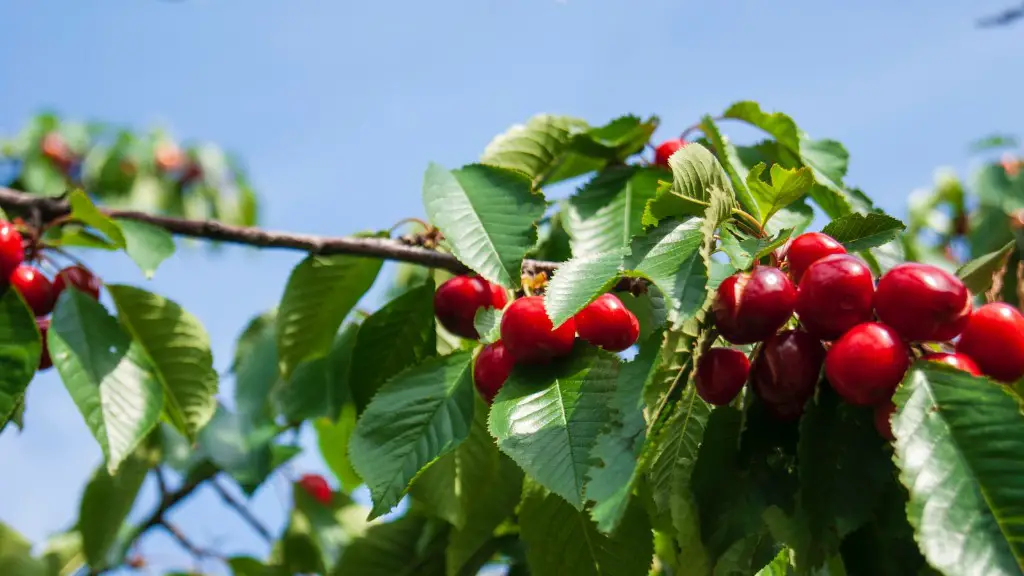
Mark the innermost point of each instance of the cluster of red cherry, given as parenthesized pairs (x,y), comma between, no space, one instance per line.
(527,335)
(38,291)
(167,157)
(837,301)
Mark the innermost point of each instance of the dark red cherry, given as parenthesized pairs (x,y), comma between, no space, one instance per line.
(786,371)
(883,420)
(607,323)
(867,363)
(922,302)
(35,289)
(79,277)
(529,336)
(721,374)
(12,251)
(457,301)
(316,486)
(835,295)
(493,365)
(44,327)
(958,361)
(751,306)
(806,249)
(666,149)
(994,339)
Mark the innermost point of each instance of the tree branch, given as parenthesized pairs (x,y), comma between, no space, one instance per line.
(197,552)
(242,510)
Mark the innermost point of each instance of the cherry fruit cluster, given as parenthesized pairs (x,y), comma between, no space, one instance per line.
(859,332)
(38,291)
(527,334)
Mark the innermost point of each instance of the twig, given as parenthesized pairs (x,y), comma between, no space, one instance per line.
(197,552)
(242,510)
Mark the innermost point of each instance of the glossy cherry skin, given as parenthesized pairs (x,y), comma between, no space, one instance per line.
(458,299)
(493,365)
(666,149)
(35,289)
(316,486)
(806,249)
(44,327)
(922,302)
(867,363)
(721,374)
(994,339)
(607,323)
(835,295)
(883,422)
(529,336)
(751,306)
(958,361)
(12,251)
(79,277)
(786,372)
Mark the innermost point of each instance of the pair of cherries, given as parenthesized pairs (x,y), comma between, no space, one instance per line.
(527,334)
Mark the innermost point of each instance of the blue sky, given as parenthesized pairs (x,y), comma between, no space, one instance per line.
(337,107)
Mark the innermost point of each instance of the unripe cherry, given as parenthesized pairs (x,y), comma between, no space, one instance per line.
(786,372)
(721,374)
(867,363)
(994,339)
(666,149)
(607,323)
(808,248)
(12,251)
(835,295)
(751,306)
(958,361)
(457,301)
(529,336)
(79,277)
(492,368)
(35,289)
(923,302)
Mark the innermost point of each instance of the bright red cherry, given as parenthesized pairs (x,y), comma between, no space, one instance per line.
(44,360)
(835,295)
(806,249)
(316,486)
(493,365)
(751,306)
(529,336)
(883,422)
(35,289)
(607,323)
(721,374)
(12,251)
(922,302)
(667,149)
(994,339)
(958,361)
(786,372)
(79,277)
(867,363)
(458,299)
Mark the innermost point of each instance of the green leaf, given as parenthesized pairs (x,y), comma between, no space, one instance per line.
(745,250)
(321,291)
(547,418)
(105,505)
(732,164)
(797,216)
(777,124)
(107,374)
(320,532)
(84,211)
(978,273)
(607,212)
(255,369)
(885,546)
(488,324)
(858,232)
(12,543)
(670,256)
(616,140)
(563,541)
(668,204)
(683,436)
(333,439)
(399,335)
(487,214)
(238,449)
(958,441)
(179,350)
(20,348)
(320,386)
(63,554)
(145,244)
(786,187)
(579,281)
(410,546)
(541,149)
(695,170)
(418,416)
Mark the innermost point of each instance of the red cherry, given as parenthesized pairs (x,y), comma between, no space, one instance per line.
(835,295)
(883,420)
(493,365)
(12,251)
(316,486)
(192,173)
(168,157)
(35,289)
(958,361)
(458,299)
(922,302)
(994,339)
(751,306)
(867,363)
(79,277)
(607,323)
(721,374)
(529,336)
(786,372)
(806,249)
(44,360)
(56,149)
(667,149)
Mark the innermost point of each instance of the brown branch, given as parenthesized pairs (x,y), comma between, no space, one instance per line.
(242,510)
(197,552)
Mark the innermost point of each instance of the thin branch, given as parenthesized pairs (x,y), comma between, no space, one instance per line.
(242,510)
(197,552)
(1004,18)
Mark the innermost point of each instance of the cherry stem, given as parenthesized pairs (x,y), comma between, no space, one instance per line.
(410,220)
(74,259)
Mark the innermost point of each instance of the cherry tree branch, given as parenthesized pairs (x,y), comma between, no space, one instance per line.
(242,510)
